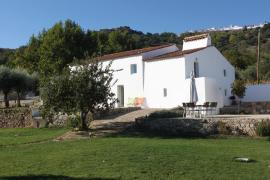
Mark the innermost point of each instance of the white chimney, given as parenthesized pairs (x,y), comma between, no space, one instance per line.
(198,41)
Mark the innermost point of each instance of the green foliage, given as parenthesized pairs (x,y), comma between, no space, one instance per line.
(6,83)
(53,49)
(166,114)
(263,128)
(18,80)
(238,88)
(74,121)
(85,89)
(23,82)
(6,56)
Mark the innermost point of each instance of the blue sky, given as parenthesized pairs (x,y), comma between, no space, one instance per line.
(22,18)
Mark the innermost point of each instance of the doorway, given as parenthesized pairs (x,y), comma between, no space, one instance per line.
(120,95)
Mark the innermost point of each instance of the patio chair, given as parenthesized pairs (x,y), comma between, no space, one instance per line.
(191,108)
(205,107)
(213,106)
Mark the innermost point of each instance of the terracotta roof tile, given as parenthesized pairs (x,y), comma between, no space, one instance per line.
(131,53)
(196,37)
(178,53)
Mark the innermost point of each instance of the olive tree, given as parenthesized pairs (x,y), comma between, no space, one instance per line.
(86,88)
(239,90)
(6,83)
(22,83)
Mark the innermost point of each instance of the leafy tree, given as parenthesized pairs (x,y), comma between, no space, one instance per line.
(53,49)
(6,82)
(27,57)
(250,73)
(239,88)
(6,55)
(85,89)
(116,41)
(60,45)
(22,83)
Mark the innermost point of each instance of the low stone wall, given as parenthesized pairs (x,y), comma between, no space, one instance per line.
(15,117)
(200,127)
(248,108)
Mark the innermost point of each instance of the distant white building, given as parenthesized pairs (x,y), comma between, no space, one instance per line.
(159,77)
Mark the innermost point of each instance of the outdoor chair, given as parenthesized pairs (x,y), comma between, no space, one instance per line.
(191,108)
(213,106)
(205,107)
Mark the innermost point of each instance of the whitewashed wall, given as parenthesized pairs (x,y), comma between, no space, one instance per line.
(207,91)
(257,93)
(173,74)
(133,83)
(170,74)
(212,64)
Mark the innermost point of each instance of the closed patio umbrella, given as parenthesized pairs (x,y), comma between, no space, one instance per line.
(193,90)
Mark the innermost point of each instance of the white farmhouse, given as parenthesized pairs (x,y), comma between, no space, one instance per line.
(159,77)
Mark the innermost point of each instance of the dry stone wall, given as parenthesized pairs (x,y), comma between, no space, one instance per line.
(199,127)
(15,117)
(248,108)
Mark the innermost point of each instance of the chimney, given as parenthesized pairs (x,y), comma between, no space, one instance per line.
(197,41)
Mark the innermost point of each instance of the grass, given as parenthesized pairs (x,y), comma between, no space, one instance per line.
(133,158)
(18,136)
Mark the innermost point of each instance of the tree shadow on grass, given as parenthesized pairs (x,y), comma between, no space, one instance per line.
(50,177)
(128,129)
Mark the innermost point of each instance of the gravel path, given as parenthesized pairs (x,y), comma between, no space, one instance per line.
(117,124)
(108,126)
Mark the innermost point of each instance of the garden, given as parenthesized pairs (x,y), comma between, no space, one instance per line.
(33,153)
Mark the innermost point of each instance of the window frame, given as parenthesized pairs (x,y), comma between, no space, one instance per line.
(196,69)
(133,67)
(165,92)
(224,72)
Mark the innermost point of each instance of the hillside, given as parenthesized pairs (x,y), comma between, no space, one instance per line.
(6,55)
(238,46)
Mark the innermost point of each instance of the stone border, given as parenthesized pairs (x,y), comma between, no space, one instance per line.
(15,117)
(200,127)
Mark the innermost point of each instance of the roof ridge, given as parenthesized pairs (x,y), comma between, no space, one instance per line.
(178,53)
(196,37)
(132,52)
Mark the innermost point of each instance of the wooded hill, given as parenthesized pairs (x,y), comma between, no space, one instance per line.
(54,48)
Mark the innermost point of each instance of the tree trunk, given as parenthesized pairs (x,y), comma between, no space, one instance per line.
(6,100)
(83,118)
(18,100)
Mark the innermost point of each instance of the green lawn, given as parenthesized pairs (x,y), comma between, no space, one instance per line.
(28,135)
(131,157)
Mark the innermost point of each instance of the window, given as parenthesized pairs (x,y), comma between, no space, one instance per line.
(196,69)
(133,68)
(224,72)
(164,92)
(225,92)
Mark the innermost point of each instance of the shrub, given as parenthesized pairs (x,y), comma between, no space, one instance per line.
(263,128)
(74,121)
(166,114)
(223,129)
